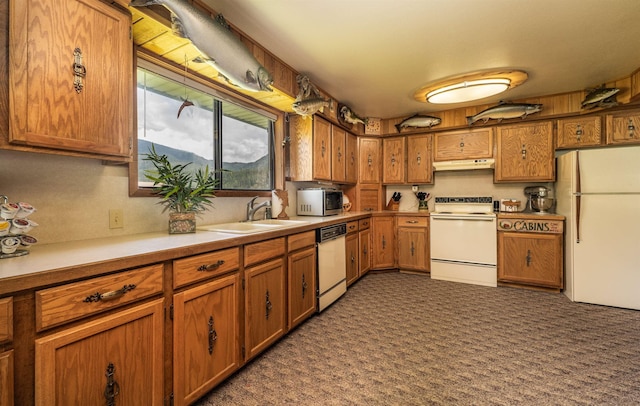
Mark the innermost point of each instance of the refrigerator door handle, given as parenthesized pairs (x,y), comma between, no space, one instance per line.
(578,195)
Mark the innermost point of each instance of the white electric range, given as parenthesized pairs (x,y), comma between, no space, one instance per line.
(463,240)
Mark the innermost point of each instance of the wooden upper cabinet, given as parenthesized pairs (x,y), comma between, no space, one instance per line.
(71,77)
(525,153)
(623,127)
(419,163)
(351,163)
(339,154)
(369,158)
(464,144)
(579,132)
(393,163)
(321,149)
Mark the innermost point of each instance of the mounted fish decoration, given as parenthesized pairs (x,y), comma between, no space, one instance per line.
(418,121)
(217,44)
(346,115)
(309,100)
(309,107)
(505,110)
(601,97)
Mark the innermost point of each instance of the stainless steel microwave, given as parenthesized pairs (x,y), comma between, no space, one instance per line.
(319,202)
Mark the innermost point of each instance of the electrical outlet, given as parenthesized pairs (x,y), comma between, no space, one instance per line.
(116,218)
(414,188)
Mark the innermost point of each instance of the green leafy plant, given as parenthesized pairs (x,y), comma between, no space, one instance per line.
(182,190)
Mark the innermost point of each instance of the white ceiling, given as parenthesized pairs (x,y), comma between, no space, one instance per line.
(372,55)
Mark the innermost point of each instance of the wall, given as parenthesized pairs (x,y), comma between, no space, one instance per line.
(73,196)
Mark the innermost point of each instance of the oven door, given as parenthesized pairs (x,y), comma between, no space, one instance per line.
(467,238)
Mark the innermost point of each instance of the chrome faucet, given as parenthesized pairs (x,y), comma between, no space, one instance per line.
(251,209)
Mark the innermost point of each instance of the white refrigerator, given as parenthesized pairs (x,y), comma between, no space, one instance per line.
(598,191)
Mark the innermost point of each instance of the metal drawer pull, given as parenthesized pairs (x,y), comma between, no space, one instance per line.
(79,71)
(528,257)
(413,249)
(213,336)
(211,267)
(304,286)
(268,306)
(631,128)
(112,389)
(114,294)
(412,221)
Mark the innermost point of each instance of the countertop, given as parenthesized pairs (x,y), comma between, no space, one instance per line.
(50,264)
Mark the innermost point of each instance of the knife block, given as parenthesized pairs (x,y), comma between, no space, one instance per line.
(393,205)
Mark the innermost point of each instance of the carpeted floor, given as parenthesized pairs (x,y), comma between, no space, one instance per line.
(402,339)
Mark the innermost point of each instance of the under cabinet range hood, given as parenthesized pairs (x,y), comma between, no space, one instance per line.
(464,164)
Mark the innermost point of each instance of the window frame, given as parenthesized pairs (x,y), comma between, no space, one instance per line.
(198,82)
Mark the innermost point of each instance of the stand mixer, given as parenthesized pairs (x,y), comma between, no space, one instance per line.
(537,199)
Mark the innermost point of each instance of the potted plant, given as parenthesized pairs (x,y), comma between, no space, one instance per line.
(184,192)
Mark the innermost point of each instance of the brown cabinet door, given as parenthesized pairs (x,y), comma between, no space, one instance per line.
(579,132)
(464,144)
(264,306)
(412,249)
(623,128)
(339,154)
(6,378)
(393,163)
(352,259)
(419,165)
(383,242)
(302,285)
(530,259)
(205,337)
(369,198)
(48,109)
(321,149)
(117,357)
(351,159)
(364,261)
(525,153)
(369,158)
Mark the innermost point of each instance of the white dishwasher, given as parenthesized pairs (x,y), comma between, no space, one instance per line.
(332,267)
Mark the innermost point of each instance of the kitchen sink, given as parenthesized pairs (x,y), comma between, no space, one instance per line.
(252,226)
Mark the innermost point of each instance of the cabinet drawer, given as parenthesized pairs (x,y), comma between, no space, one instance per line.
(76,300)
(200,267)
(301,240)
(364,224)
(261,251)
(6,319)
(412,221)
(352,226)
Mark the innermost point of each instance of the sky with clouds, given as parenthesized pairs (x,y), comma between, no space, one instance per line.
(193,131)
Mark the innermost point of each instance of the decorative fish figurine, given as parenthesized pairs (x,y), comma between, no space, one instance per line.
(310,106)
(602,97)
(418,121)
(350,117)
(505,110)
(218,45)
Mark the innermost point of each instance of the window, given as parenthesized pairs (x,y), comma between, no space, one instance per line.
(189,122)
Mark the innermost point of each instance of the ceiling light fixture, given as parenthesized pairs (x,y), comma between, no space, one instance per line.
(470,86)
(468,91)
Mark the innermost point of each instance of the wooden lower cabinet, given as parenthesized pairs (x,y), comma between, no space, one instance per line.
(383,242)
(301,273)
(353,257)
(6,378)
(530,252)
(413,243)
(264,306)
(116,358)
(364,242)
(205,337)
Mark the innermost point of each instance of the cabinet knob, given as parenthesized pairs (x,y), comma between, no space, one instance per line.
(524,151)
(304,286)
(578,132)
(268,306)
(631,128)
